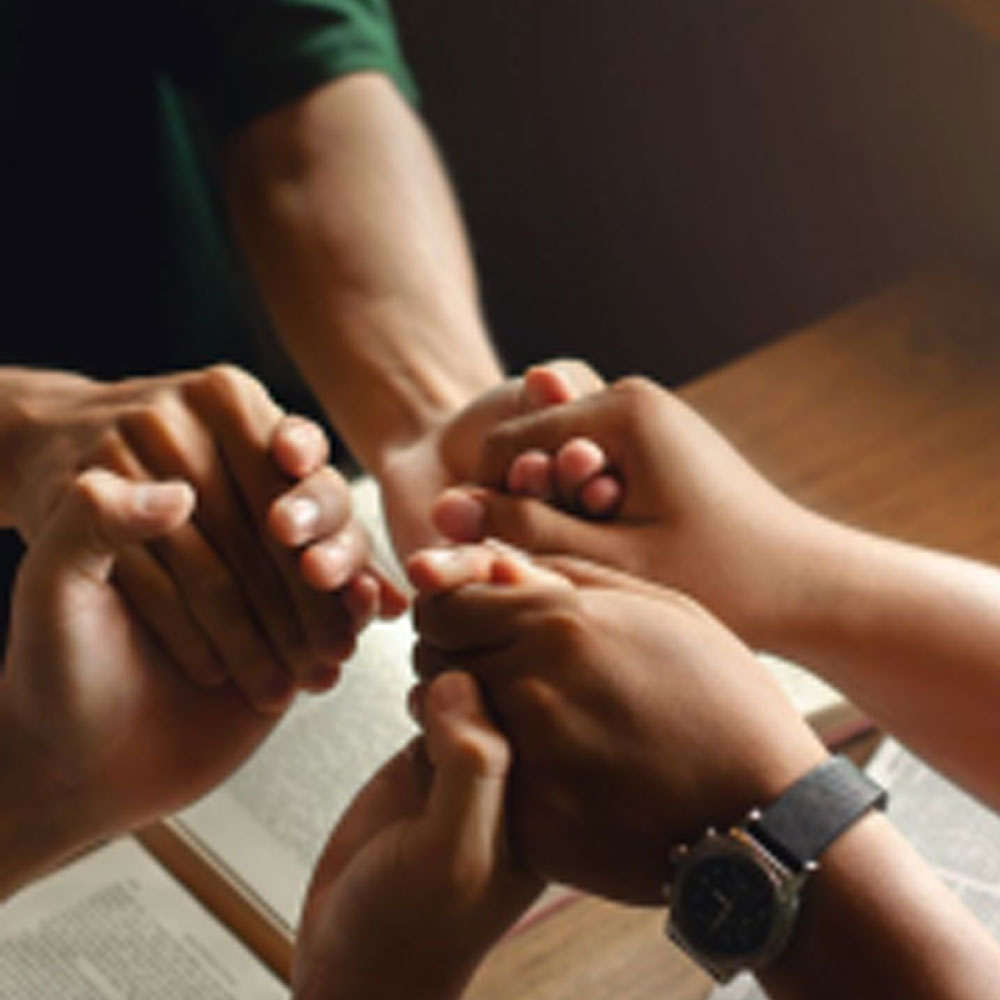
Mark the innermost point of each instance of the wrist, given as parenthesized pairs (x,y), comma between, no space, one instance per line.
(814,580)
(401,376)
(736,896)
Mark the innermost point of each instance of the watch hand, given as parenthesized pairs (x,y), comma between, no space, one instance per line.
(727,907)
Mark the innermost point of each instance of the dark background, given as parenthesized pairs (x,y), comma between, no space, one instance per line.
(659,185)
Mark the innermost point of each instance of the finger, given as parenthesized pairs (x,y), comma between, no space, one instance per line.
(316,506)
(599,417)
(225,576)
(559,381)
(602,497)
(214,599)
(331,562)
(152,594)
(99,516)
(472,514)
(577,462)
(311,631)
(299,446)
(531,474)
(436,570)
(143,575)
(485,616)
(470,759)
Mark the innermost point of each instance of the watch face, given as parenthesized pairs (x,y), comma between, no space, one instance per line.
(726,906)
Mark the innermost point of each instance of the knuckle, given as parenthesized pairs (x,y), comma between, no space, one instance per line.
(221,385)
(636,390)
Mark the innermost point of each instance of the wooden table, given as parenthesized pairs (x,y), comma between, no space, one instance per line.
(886,415)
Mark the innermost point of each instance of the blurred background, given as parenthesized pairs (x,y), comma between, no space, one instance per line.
(659,185)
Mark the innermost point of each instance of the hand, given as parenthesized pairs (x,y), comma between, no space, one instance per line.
(637,720)
(99,731)
(412,476)
(222,593)
(693,514)
(416,882)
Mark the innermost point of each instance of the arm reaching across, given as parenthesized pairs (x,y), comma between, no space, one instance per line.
(908,634)
(417,882)
(638,721)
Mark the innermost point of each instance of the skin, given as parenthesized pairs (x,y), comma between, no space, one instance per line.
(418,867)
(637,720)
(351,231)
(268,582)
(100,731)
(904,632)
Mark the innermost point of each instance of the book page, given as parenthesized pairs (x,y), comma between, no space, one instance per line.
(268,823)
(958,837)
(114,926)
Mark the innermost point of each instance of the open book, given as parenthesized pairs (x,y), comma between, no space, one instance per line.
(213,894)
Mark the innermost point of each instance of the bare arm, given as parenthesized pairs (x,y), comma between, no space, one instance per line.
(909,634)
(355,242)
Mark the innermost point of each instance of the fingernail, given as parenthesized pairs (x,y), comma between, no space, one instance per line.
(301,433)
(154,499)
(335,560)
(442,559)
(302,513)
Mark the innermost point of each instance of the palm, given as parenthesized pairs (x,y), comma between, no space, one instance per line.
(124,723)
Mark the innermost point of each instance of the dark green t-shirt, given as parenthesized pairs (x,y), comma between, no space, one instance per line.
(116,258)
(121,261)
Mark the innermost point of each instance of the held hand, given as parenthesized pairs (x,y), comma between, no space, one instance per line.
(416,882)
(98,728)
(413,476)
(693,513)
(636,719)
(223,593)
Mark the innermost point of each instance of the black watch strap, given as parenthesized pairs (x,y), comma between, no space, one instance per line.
(810,815)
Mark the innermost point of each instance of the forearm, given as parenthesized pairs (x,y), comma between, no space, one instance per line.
(911,636)
(354,239)
(876,924)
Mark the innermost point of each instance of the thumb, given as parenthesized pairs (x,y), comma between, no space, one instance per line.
(471,760)
(100,515)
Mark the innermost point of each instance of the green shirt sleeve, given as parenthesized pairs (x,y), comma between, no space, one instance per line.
(243,58)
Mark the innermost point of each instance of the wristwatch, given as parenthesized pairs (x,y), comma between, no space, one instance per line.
(734,896)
